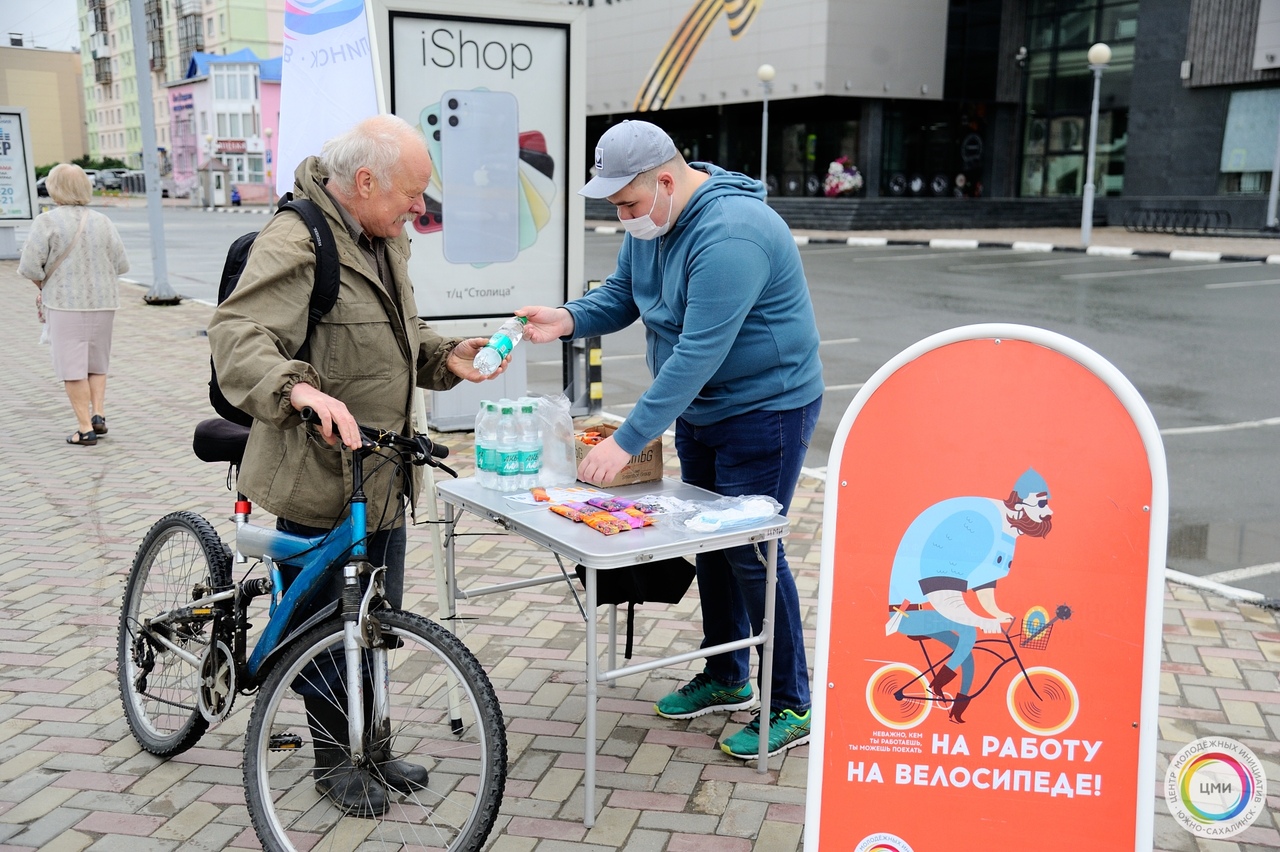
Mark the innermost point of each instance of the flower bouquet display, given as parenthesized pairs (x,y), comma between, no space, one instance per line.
(843,178)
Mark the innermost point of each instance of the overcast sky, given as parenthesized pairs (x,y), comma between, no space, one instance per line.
(43,23)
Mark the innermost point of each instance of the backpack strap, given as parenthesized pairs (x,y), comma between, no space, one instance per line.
(325,292)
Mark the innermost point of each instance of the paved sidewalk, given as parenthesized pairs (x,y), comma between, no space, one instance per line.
(72,777)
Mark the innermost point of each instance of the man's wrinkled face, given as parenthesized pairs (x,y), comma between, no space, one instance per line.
(385,210)
(1033,516)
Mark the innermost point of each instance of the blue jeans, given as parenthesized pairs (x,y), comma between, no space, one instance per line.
(760,452)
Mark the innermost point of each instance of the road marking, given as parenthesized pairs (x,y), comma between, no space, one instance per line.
(1222,427)
(945,243)
(1027,245)
(853,386)
(916,254)
(1057,262)
(866,241)
(1210,586)
(1237,574)
(1120,273)
(819,473)
(840,340)
(1224,285)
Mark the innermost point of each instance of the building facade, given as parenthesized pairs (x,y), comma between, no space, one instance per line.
(228,108)
(176,31)
(957,98)
(47,83)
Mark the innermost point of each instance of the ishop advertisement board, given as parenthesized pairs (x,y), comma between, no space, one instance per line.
(494,93)
(990,603)
(17,180)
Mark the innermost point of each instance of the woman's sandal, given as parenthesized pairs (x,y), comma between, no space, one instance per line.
(83,439)
(99,424)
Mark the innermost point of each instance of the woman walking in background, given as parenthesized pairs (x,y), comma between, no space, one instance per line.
(75,257)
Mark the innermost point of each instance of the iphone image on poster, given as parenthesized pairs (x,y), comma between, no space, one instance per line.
(480,158)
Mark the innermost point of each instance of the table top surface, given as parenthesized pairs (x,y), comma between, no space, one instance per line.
(582,544)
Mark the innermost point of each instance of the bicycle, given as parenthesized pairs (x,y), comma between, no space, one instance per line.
(1042,700)
(413,691)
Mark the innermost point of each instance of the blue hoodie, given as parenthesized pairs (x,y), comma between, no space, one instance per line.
(728,321)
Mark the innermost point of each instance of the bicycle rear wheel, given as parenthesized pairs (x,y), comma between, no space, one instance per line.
(896,696)
(180,559)
(444,716)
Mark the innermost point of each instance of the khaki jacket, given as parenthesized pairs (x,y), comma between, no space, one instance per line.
(370,351)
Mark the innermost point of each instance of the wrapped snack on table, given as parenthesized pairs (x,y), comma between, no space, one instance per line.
(610,504)
(603,522)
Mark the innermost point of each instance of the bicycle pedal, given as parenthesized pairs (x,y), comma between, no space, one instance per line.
(284,742)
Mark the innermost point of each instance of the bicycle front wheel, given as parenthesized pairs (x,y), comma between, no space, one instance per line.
(1043,701)
(180,559)
(444,717)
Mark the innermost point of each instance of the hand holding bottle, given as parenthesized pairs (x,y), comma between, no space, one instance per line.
(500,345)
(461,360)
(546,325)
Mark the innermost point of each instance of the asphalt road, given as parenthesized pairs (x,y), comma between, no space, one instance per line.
(1196,339)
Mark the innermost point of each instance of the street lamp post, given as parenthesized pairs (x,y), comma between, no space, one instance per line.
(1099,56)
(766,73)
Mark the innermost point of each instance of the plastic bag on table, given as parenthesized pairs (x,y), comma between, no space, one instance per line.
(733,512)
(559,461)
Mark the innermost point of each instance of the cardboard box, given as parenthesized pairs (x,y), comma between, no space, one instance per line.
(645,467)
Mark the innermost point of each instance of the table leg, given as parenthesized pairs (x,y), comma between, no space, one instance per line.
(446,579)
(766,659)
(613,640)
(589,779)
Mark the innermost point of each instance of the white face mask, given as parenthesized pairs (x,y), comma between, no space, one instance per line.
(643,228)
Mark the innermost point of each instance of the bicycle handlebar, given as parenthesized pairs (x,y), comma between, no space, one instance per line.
(420,449)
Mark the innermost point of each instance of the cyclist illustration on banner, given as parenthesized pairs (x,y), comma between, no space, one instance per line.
(966,545)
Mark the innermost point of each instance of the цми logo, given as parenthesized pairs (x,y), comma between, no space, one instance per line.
(1215,787)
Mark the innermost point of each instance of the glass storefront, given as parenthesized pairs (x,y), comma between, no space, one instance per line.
(1059,93)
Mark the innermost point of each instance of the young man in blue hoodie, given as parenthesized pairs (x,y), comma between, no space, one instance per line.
(714,275)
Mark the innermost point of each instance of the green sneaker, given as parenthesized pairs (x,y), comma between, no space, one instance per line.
(786,729)
(703,695)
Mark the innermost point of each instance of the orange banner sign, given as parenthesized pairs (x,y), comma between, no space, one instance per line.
(990,606)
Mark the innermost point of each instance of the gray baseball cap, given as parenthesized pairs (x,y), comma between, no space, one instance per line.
(624,151)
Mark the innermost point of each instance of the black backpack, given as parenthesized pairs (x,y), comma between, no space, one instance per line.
(323,295)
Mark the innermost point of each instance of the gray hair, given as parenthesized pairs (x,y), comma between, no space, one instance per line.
(375,143)
(69,185)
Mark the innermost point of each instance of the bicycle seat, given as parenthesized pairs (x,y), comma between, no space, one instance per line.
(218,440)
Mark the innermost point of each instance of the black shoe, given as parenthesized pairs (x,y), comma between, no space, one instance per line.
(355,791)
(400,775)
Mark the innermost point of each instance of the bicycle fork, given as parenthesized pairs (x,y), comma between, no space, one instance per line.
(362,646)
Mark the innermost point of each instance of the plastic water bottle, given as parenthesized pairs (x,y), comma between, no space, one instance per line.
(499,346)
(487,445)
(529,445)
(508,448)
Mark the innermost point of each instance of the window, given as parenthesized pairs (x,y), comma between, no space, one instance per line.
(1249,141)
(222,23)
(1059,86)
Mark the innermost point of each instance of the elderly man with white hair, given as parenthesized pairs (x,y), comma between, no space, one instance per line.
(360,363)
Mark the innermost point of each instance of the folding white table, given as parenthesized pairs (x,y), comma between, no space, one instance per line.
(580,544)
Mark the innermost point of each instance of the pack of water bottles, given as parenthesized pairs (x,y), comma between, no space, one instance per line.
(509,444)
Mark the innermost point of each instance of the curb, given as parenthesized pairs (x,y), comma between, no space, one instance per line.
(1016,245)
(1098,251)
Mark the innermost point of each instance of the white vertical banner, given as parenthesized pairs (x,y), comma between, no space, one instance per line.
(326,80)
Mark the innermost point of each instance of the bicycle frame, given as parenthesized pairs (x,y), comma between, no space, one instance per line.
(981,645)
